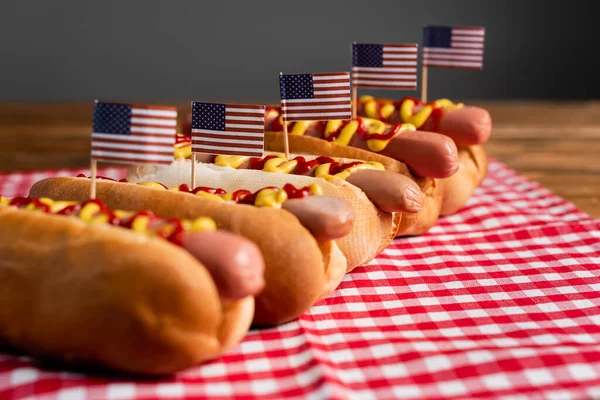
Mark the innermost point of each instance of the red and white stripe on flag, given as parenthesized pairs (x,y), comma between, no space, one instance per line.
(457,47)
(228,129)
(386,66)
(319,96)
(133,134)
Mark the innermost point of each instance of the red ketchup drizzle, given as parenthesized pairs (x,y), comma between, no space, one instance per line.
(176,236)
(184,188)
(259,163)
(69,210)
(244,196)
(276,125)
(106,178)
(380,136)
(112,218)
(22,202)
(183,139)
(337,167)
(296,193)
(305,166)
(435,118)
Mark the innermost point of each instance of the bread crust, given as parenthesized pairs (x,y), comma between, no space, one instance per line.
(459,188)
(295,273)
(101,296)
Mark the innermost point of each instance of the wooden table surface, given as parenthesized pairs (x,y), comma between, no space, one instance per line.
(554,143)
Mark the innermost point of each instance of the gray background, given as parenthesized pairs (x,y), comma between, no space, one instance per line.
(225,50)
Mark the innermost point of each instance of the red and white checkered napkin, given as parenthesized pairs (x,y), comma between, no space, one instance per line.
(499,301)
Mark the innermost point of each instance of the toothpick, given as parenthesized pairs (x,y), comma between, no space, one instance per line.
(286,145)
(354,105)
(93,168)
(193,183)
(424,84)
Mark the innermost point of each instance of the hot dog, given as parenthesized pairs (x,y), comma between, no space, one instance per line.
(460,170)
(466,125)
(379,211)
(425,153)
(371,229)
(299,267)
(87,285)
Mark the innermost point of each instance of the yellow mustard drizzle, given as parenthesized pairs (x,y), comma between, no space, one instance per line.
(230,161)
(280,165)
(271,198)
(378,145)
(300,127)
(140,224)
(268,197)
(199,224)
(88,211)
(374,127)
(154,185)
(373,124)
(91,213)
(322,171)
(374,110)
(209,196)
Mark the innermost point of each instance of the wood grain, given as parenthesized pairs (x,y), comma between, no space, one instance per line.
(554,143)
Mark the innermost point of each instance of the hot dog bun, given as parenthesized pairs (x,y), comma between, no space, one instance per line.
(103,296)
(297,268)
(459,188)
(372,229)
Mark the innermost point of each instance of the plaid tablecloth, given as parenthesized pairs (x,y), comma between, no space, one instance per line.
(501,300)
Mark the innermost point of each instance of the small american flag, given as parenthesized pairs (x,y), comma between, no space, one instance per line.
(133,134)
(231,129)
(453,47)
(315,96)
(384,66)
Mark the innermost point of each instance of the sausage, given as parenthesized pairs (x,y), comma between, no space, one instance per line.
(326,217)
(389,191)
(235,263)
(426,153)
(466,125)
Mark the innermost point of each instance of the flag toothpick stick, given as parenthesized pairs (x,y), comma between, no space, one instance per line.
(354,105)
(424,84)
(286,145)
(93,168)
(193,182)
